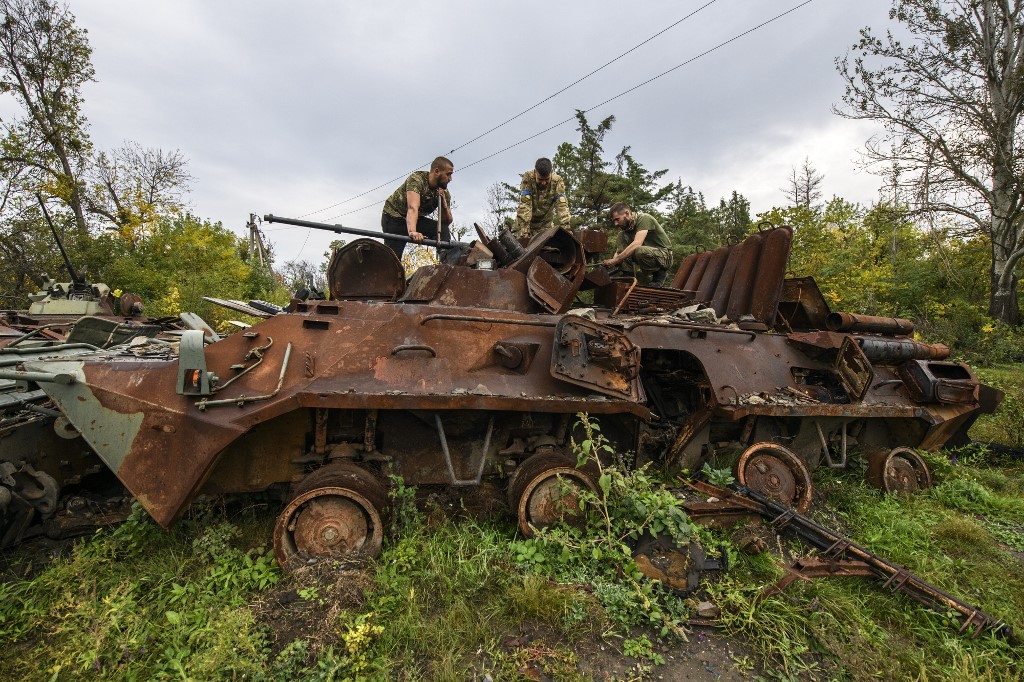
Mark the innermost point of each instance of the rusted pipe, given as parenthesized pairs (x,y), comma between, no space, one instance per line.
(900,350)
(869,324)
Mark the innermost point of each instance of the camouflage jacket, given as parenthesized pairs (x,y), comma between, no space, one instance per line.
(538,208)
(398,204)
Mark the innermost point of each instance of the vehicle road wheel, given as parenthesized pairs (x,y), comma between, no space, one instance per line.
(776,473)
(901,470)
(545,489)
(336,512)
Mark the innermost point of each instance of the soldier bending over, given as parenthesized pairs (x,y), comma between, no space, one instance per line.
(644,245)
(542,201)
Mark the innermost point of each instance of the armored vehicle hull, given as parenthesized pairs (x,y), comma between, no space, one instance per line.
(465,374)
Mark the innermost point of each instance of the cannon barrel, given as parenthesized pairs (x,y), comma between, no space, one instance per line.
(341,229)
(76,279)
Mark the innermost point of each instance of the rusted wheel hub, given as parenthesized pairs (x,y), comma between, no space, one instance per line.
(900,470)
(776,473)
(335,513)
(545,489)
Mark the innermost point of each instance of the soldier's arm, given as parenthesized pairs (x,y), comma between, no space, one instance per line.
(445,202)
(525,211)
(412,214)
(562,205)
(637,242)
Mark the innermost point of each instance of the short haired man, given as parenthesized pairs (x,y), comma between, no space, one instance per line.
(542,202)
(406,210)
(644,246)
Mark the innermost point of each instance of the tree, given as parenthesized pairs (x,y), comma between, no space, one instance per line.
(804,185)
(640,188)
(592,184)
(732,219)
(177,262)
(584,171)
(133,186)
(688,220)
(44,61)
(502,203)
(951,103)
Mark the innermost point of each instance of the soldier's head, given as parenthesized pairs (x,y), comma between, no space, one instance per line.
(621,216)
(543,168)
(441,170)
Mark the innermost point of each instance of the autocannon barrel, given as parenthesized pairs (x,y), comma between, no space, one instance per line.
(341,229)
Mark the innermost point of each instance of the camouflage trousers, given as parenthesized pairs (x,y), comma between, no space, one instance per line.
(532,229)
(647,259)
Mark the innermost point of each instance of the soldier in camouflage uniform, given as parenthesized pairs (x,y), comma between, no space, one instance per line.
(406,210)
(644,246)
(542,201)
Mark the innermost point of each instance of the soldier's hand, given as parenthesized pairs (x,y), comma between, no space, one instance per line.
(416,236)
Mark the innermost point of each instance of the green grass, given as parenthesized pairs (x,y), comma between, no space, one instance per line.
(196,603)
(1006,426)
(850,628)
(455,598)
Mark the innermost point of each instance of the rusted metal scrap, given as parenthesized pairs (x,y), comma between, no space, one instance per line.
(840,556)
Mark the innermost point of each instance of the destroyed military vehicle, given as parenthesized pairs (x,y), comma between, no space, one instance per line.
(41,455)
(474,370)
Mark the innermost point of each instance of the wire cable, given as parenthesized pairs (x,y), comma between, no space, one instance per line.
(611,99)
(524,111)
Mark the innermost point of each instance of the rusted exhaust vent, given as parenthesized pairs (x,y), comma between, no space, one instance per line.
(740,280)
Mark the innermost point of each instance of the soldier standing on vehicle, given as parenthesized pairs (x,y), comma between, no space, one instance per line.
(644,246)
(406,210)
(542,201)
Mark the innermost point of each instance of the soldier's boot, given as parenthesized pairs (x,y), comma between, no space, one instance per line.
(659,277)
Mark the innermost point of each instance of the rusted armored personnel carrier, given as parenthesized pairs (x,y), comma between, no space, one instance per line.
(475,371)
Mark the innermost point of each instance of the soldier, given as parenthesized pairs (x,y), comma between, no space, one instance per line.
(406,210)
(542,197)
(644,245)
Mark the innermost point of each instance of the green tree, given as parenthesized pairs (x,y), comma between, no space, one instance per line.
(951,101)
(44,61)
(732,219)
(594,183)
(177,262)
(584,171)
(688,220)
(638,186)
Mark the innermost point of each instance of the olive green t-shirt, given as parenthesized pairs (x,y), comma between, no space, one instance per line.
(656,235)
(397,204)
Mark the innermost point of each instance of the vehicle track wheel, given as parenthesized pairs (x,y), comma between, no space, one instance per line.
(545,489)
(336,512)
(776,473)
(901,470)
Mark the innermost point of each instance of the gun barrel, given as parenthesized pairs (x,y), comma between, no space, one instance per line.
(76,279)
(341,229)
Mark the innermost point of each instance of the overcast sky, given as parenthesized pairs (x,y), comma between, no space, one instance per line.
(290,108)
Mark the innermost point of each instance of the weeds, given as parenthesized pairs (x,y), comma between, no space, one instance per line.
(454,601)
(628,506)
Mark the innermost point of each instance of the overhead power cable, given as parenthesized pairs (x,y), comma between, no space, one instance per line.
(521,113)
(613,98)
